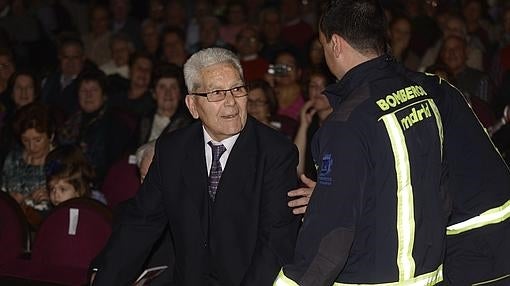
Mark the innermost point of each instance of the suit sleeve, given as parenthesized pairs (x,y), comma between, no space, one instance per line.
(326,237)
(141,222)
(277,226)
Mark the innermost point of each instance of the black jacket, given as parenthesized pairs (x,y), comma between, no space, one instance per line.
(248,235)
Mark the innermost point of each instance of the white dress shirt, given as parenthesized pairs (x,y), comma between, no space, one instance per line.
(228,143)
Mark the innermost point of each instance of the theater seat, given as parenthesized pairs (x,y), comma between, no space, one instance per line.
(14,229)
(67,241)
(121,182)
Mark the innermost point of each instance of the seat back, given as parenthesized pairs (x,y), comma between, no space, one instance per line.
(14,229)
(121,182)
(73,234)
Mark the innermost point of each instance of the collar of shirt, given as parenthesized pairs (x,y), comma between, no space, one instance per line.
(355,78)
(228,143)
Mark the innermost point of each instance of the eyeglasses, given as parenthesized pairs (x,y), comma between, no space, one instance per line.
(220,94)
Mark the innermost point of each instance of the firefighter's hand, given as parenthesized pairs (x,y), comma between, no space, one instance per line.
(302,196)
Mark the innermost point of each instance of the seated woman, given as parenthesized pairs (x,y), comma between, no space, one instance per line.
(68,175)
(170,113)
(101,135)
(22,174)
(25,90)
(262,105)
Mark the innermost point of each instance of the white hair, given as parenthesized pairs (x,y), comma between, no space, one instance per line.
(205,58)
(145,150)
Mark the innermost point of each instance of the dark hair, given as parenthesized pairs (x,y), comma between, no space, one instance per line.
(139,55)
(6,52)
(70,39)
(95,75)
(173,30)
(34,115)
(30,74)
(293,53)
(168,70)
(268,93)
(361,23)
(68,163)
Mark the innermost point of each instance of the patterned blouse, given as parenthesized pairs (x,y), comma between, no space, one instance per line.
(19,177)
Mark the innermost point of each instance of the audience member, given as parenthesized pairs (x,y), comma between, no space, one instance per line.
(175,15)
(399,36)
(248,46)
(23,170)
(7,68)
(169,113)
(202,9)
(476,29)
(97,41)
(285,75)
(295,31)
(25,90)
(454,26)
(471,82)
(69,175)
(102,136)
(271,33)
(209,31)
(24,29)
(156,13)
(144,156)
(262,105)
(172,47)
(121,48)
(236,20)
(133,96)
(59,88)
(312,115)
(123,23)
(150,38)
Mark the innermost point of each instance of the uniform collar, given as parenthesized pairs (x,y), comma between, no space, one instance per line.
(355,77)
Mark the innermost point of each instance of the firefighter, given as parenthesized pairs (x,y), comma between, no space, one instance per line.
(378,212)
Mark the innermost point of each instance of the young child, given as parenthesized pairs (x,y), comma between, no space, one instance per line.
(67,183)
(69,175)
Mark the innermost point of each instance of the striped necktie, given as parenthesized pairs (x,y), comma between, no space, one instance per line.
(215,173)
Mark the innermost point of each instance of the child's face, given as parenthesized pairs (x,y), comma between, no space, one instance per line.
(62,191)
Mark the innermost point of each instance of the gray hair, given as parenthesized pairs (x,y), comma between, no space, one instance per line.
(205,58)
(145,150)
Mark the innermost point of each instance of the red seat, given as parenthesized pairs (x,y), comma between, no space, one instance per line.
(14,229)
(67,241)
(121,183)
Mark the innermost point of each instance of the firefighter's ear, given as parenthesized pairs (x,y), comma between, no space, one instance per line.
(337,43)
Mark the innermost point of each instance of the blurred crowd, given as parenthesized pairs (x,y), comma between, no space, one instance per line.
(84,84)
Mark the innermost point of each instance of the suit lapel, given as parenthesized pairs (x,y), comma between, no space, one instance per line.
(195,177)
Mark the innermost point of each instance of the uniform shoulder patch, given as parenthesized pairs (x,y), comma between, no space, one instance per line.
(324,176)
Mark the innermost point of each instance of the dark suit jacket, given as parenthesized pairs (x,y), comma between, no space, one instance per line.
(244,238)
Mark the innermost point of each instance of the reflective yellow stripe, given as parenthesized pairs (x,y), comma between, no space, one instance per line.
(495,215)
(439,123)
(282,280)
(405,205)
(427,279)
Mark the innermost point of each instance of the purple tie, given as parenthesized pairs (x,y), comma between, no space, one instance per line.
(215,173)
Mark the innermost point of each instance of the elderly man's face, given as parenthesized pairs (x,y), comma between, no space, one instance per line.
(222,119)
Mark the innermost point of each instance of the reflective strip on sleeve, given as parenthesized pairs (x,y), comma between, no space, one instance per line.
(439,123)
(492,216)
(427,279)
(282,280)
(405,202)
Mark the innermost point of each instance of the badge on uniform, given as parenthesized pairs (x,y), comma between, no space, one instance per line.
(324,176)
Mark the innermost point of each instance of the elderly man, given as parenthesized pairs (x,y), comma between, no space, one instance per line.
(220,185)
